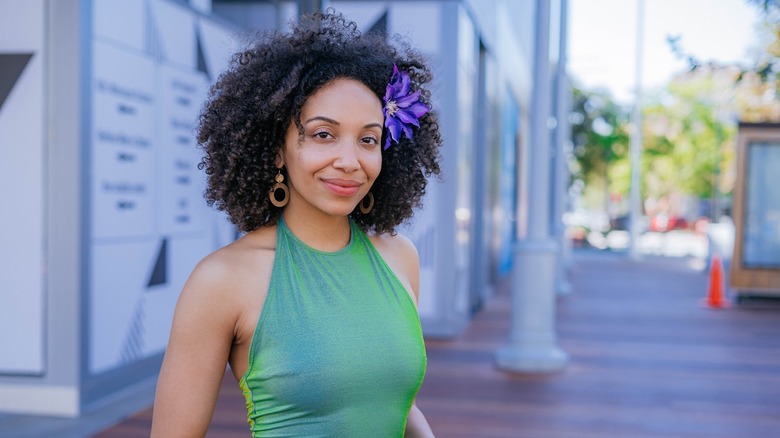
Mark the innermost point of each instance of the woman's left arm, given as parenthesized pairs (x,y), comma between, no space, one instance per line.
(416,425)
(401,255)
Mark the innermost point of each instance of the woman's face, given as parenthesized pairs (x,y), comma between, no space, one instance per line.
(332,167)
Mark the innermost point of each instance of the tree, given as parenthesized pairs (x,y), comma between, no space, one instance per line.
(599,137)
(689,134)
(766,65)
(691,127)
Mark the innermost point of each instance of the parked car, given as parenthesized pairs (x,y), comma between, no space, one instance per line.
(663,222)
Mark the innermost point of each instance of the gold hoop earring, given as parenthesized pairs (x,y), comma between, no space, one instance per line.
(279,185)
(366,209)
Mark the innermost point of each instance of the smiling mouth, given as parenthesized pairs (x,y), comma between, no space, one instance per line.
(342,187)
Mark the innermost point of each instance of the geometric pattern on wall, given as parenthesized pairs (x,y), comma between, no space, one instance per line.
(159,273)
(379,27)
(153,45)
(134,342)
(11,67)
(202,65)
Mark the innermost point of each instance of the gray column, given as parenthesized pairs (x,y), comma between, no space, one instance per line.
(309,6)
(532,340)
(561,146)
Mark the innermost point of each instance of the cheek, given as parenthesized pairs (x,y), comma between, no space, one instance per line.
(373,166)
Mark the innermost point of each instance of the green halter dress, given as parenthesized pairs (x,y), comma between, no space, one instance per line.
(338,350)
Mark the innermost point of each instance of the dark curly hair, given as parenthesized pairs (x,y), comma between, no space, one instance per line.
(243,123)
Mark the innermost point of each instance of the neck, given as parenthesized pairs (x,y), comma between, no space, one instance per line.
(325,233)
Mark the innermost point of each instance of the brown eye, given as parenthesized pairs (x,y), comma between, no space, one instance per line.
(322,135)
(369,140)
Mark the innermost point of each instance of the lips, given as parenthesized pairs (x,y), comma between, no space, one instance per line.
(342,187)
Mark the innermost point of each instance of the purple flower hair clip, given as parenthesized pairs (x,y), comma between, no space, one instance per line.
(402,109)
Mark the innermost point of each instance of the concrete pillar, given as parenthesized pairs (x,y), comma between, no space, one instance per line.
(202,5)
(561,142)
(309,6)
(532,340)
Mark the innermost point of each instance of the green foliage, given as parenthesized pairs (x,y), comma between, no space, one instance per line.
(688,137)
(766,5)
(689,128)
(599,134)
(687,131)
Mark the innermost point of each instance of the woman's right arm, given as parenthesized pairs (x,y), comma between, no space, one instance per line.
(197,354)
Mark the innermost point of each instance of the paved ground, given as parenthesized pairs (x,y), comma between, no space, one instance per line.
(647,360)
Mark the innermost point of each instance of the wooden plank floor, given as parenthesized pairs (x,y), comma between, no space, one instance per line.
(646,360)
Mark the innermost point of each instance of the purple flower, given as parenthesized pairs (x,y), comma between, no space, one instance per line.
(402,109)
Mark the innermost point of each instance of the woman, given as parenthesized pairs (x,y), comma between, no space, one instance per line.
(317,145)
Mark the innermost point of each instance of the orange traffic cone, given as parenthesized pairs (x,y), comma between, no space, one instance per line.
(715,298)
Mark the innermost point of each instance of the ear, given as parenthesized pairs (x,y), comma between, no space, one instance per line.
(279,160)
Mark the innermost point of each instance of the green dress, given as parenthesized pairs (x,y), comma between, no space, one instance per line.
(338,349)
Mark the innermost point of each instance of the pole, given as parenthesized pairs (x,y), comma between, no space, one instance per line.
(532,340)
(635,146)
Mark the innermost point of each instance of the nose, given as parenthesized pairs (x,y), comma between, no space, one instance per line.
(347,157)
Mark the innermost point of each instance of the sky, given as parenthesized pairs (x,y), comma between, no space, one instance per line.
(603,35)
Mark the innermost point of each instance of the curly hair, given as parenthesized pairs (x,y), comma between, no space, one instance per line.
(250,107)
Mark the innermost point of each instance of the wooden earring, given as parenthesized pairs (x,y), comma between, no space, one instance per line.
(366,209)
(280,185)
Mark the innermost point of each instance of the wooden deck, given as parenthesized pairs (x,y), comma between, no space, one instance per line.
(647,359)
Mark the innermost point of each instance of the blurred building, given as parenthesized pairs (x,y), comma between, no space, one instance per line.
(103,216)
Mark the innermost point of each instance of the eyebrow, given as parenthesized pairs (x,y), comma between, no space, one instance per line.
(333,122)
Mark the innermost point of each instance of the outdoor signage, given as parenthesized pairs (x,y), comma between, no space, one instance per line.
(151,66)
(755,268)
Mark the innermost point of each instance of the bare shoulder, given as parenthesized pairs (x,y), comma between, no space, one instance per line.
(208,330)
(225,276)
(401,256)
(394,246)
(244,253)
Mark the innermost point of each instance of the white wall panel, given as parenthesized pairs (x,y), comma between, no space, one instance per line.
(365,14)
(420,21)
(21,187)
(175,27)
(149,223)
(124,142)
(120,21)
(219,45)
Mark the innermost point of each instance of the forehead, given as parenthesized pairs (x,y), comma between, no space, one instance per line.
(345,97)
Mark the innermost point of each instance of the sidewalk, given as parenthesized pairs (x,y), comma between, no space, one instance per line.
(647,360)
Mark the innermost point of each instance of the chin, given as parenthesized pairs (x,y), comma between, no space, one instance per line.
(338,210)
(343,212)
